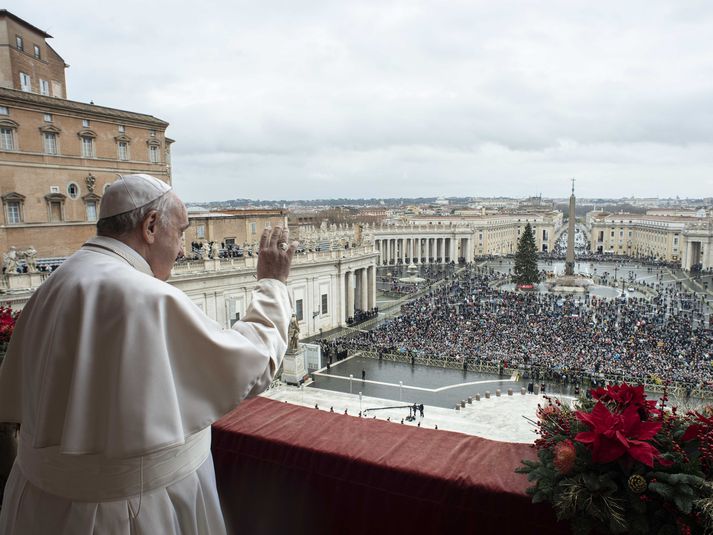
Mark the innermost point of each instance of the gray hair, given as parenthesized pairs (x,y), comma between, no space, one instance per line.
(123,224)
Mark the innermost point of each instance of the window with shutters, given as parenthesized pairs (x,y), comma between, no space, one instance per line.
(154,154)
(123,150)
(91,211)
(25,82)
(87,147)
(7,138)
(13,213)
(50,141)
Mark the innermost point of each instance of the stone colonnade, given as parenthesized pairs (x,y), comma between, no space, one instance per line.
(358,291)
(423,250)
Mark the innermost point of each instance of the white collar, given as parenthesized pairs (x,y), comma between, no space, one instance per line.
(130,256)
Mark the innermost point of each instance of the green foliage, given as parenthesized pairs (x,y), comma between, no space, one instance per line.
(605,497)
(526,271)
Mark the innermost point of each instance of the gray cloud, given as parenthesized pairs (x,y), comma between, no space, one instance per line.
(285,99)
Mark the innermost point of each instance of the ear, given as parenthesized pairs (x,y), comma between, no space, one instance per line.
(149,227)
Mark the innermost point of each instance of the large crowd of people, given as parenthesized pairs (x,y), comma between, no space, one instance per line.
(659,338)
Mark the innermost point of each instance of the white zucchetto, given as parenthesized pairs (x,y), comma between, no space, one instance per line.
(130,192)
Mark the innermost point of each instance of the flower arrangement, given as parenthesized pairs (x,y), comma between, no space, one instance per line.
(8,318)
(624,464)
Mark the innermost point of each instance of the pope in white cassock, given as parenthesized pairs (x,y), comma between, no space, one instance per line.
(116,376)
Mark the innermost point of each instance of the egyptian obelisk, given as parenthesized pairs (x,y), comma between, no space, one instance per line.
(569,260)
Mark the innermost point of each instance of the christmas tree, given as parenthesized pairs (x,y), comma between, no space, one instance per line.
(526,271)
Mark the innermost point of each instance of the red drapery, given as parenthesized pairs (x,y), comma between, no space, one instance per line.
(287,469)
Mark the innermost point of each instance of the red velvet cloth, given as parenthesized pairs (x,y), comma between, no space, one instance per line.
(287,469)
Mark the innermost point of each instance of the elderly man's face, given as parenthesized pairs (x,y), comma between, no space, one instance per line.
(168,246)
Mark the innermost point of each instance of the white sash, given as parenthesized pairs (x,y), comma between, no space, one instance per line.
(96,478)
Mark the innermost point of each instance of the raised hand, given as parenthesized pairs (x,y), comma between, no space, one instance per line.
(276,254)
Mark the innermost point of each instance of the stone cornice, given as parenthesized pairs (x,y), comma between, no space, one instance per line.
(13,97)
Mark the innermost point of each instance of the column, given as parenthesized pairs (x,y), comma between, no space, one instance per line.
(410,243)
(415,255)
(403,250)
(342,286)
(357,289)
(364,300)
(349,278)
(371,273)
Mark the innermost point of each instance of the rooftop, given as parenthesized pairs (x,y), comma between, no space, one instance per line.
(72,106)
(6,13)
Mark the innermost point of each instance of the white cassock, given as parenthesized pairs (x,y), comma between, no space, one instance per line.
(115,378)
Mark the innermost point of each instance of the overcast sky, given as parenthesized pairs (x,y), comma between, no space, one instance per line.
(311,99)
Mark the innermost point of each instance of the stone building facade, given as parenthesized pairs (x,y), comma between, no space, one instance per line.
(232,227)
(684,239)
(27,61)
(326,287)
(57,156)
(441,239)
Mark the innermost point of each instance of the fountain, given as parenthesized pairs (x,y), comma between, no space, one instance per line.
(412,276)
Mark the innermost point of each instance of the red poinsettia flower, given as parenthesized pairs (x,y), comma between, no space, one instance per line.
(614,435)
(625,396)
(696,430)
(8,318)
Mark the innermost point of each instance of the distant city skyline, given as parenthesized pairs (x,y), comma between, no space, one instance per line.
(292,100)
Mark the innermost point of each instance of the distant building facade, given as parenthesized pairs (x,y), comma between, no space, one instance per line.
(236,228)
(57,156)
(441,239)
(684,239)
